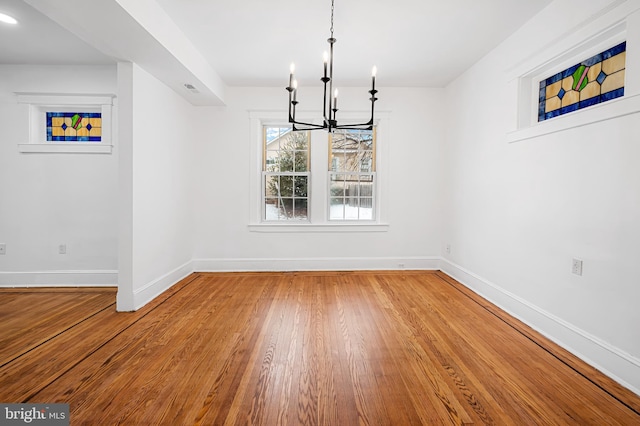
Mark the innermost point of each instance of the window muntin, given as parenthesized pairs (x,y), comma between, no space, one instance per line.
(285,174)
(352,175)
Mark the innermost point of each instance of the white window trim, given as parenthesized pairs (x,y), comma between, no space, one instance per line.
(318,222)
(40,102)
(601,33)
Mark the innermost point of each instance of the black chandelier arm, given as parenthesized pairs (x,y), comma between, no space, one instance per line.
(289,89)
(362,126)
(325,80)
(310,126)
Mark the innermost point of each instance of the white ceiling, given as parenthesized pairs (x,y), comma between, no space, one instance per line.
(39,40)
(412,42)
(252,42)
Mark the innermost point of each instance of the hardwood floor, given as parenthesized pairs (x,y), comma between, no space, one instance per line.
(297,348)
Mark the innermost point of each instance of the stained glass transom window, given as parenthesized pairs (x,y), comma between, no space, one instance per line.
(592,81)
(74,126)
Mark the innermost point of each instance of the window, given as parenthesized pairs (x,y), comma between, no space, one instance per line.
(285,174)
(74,127)
(67,123)
(352,175)
(595,80)
(576,80)
(292,176)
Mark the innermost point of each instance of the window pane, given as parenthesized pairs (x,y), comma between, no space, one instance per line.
(271,161)
(367,142)
(274,145)
(366,209)
(286,161)
(286,186)
(301,161)
(366,189)
(271,209)
(351,210)
(271,186)
(336,209)
(337,142)
(286,208)
(300,209)
(338,163)
(351,186)
(301,186)
(366,161)
(337,186)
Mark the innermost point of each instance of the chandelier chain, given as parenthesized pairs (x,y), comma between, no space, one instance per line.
(332,18)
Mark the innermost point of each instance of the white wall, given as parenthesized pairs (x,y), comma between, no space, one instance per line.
(517,213)
(52,199)
(411,180)
(157,131)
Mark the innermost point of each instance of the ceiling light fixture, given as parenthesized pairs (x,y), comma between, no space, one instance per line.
(7,19)
(329,121)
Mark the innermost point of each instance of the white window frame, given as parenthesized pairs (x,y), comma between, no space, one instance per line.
(319,177)
(41,103)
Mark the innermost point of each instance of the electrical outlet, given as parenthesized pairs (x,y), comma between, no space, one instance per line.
(576,267)
(62,249)
(3,248)
(401,265)
(447,249)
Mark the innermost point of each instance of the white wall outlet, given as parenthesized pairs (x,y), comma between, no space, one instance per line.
(576,267)
(447,249)
(401,265)
(62,249)
(3,248)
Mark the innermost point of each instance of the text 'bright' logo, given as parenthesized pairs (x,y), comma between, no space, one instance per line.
(27,415)
(40,414)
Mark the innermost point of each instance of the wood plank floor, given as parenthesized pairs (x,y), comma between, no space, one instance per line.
(51,311)
(312,348)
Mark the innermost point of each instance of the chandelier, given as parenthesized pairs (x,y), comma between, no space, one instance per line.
(329,104)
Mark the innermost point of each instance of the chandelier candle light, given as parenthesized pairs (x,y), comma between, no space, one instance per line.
(329,121)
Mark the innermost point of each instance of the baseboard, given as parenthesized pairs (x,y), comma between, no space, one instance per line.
(316,264)
(610,360)
(153,289)
(81,278)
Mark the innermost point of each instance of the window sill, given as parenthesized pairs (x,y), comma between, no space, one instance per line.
(606,111)
(324,227)
(74,148)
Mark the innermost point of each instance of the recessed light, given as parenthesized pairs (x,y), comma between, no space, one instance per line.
(7,19)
